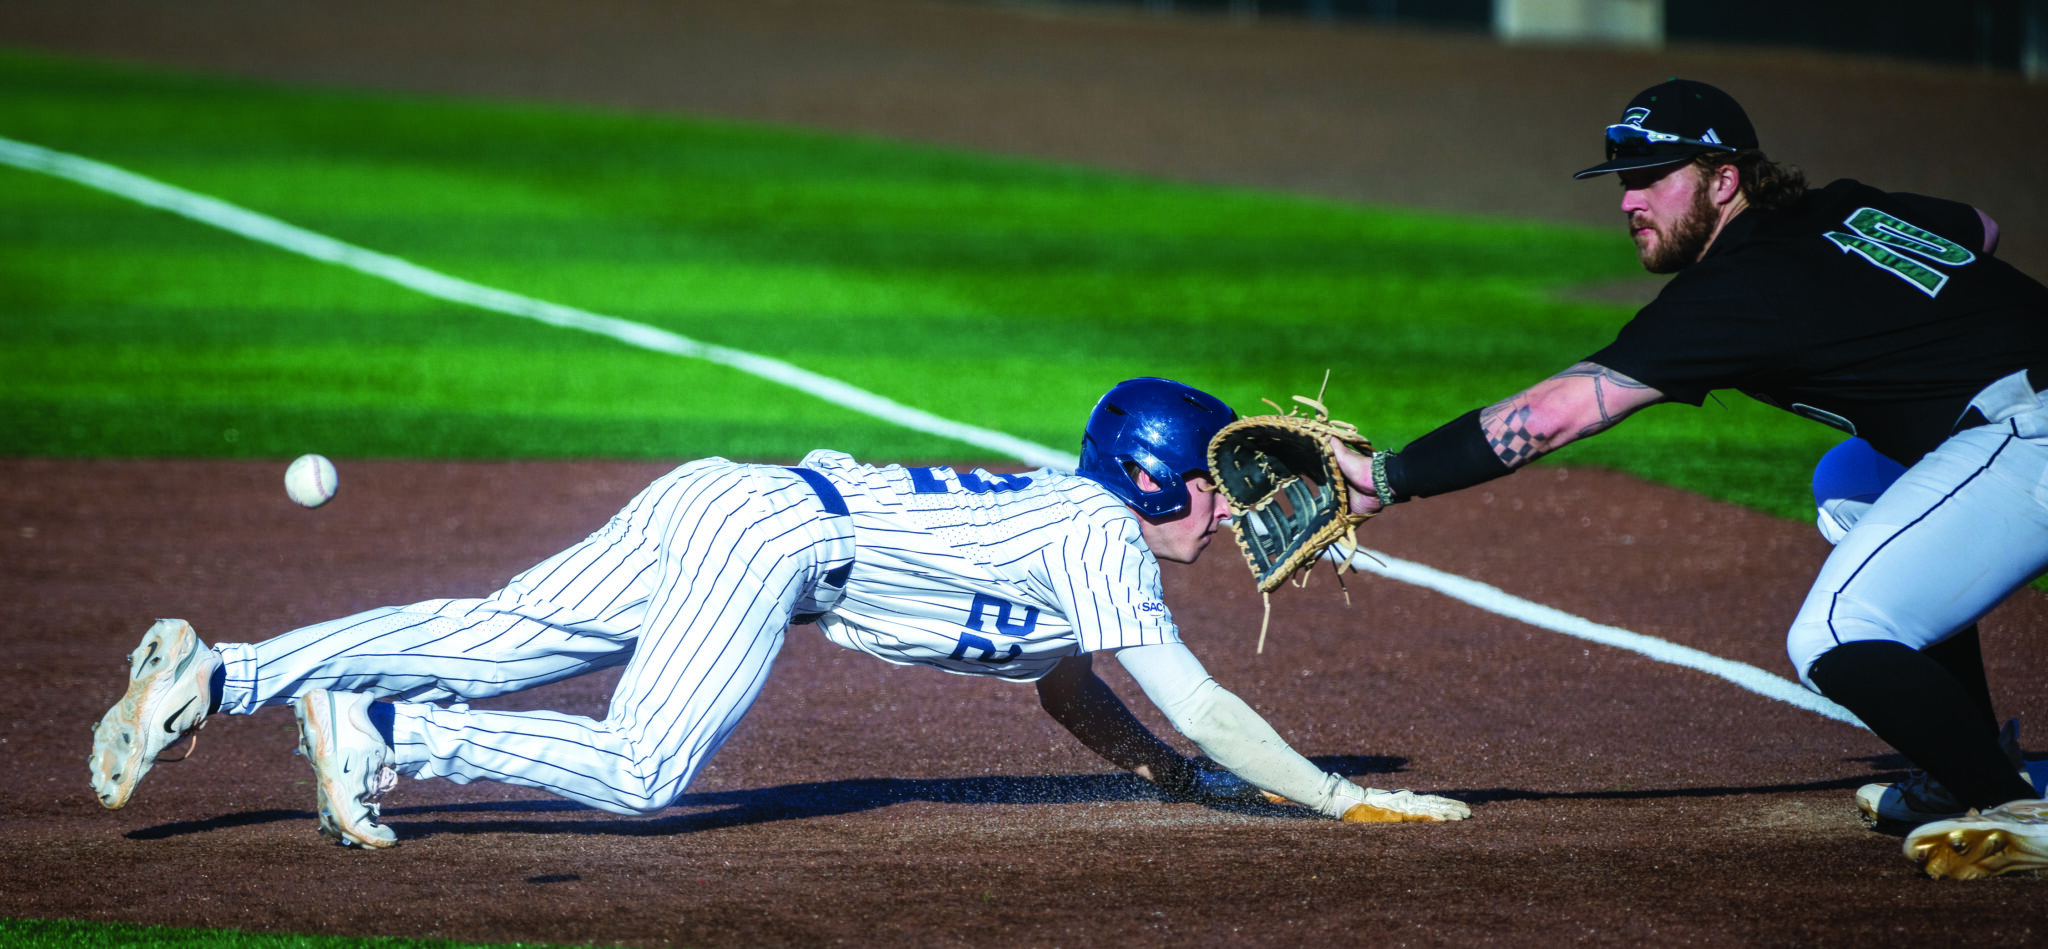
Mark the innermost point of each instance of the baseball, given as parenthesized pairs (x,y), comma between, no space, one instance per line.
(311,480)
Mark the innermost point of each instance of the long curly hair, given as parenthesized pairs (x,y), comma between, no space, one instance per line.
(1766,184)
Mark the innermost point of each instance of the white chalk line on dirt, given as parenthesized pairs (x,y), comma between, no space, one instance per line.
(269,230)
(1496,600)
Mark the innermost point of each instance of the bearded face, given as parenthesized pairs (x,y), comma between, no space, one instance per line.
(1671,216)
(1676,244)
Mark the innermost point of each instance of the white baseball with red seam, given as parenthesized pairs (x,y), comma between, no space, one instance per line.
(311,480)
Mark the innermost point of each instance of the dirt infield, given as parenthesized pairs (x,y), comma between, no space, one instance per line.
(1617,800)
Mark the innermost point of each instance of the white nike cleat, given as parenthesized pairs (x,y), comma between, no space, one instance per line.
(1394,807)
(1920,799)
(2005,839)
(170,690)
(351,766)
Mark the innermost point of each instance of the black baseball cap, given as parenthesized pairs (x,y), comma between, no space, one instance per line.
(1671,122)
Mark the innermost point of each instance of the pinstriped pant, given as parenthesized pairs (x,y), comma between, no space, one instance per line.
(691,587)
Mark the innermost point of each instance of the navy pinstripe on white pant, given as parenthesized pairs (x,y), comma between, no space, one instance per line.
(1946,542)
(691,587)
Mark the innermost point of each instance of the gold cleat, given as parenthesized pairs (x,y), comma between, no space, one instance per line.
(2009,838)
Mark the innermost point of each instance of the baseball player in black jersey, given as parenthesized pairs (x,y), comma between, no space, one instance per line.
(1883,315)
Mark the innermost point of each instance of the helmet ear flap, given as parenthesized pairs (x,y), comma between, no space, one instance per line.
(1168,486)
(1159,426)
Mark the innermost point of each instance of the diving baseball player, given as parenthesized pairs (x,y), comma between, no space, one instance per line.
(690,588)
(1883,315)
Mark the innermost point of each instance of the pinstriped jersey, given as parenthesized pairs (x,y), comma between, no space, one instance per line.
(990,574)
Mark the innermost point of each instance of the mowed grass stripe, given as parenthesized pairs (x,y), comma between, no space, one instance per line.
(1004,293)
(269,230)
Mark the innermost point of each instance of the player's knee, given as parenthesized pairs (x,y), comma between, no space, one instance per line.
(1809,640)
(1859,673)
(646,806)
(1802,649)
(642,797)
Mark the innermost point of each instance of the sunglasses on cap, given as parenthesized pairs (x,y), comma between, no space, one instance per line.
(1629,141)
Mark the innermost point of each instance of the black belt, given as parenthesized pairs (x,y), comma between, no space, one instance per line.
(835,503)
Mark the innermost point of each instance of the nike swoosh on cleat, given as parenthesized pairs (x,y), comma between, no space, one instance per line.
(190,658)
(171,723)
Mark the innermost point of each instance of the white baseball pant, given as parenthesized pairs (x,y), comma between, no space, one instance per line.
(691,587)
(1950,539)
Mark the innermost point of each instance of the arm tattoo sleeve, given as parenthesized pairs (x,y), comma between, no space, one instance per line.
(1507,422)
(1507,430)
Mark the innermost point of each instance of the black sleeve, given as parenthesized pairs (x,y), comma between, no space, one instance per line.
(1453,457)
(1708,330)
(1951,219)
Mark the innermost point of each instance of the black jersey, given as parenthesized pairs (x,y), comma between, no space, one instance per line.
(1873,312)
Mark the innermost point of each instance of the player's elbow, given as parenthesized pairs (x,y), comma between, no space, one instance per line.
(1194,714)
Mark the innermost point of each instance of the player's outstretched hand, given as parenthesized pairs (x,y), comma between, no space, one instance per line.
(1392,807)
(1357,469)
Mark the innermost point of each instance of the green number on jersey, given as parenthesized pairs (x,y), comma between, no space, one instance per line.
(1885,241)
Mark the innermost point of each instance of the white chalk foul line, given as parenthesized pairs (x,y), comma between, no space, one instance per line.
(1494,599)
(298,240)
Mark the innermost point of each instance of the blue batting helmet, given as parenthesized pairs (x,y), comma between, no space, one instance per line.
(1159,425)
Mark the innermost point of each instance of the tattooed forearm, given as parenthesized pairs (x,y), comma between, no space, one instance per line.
(1606,386)
(1506,424)
(1584,400)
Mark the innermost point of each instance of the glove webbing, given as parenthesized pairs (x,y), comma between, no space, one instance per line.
(1290,498)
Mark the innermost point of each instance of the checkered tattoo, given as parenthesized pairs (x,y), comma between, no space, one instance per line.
(1508,432)
(1506,422)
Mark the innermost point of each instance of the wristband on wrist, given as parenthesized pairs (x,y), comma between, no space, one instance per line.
(1379,479)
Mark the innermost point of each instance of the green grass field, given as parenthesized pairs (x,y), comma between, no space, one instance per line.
(998,292)
(74,934)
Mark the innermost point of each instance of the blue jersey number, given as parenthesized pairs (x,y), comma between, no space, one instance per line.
(985,609)
(928,481)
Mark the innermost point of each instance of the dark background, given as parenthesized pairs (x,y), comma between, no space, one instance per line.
(1984,33)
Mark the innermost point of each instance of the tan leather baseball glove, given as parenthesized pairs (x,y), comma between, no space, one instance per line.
(1289,502)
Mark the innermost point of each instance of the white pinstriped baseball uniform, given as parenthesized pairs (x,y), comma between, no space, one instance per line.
(691,586)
